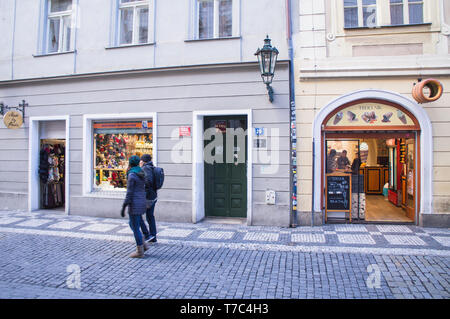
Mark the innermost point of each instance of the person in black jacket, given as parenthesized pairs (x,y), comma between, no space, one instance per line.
(136,201)
(151,195)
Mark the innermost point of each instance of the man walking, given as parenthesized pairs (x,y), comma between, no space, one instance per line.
(151,195)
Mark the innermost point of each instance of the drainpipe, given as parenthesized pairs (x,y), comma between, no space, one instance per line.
(313,176)
(292,121)
(76,26)
(13,40)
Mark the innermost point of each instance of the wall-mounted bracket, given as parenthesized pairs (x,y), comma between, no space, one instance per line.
(5,108)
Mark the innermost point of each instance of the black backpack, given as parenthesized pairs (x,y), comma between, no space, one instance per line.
(158,177)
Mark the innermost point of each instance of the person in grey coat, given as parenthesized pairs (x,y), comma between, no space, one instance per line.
(136,201)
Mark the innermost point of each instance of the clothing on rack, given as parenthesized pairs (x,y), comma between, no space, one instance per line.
(51,173)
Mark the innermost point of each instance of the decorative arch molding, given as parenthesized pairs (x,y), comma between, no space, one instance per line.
(426,141)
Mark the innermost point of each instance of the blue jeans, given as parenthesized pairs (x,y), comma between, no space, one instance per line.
(150,216)
(135,224)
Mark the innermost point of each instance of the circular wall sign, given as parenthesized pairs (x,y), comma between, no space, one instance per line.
(13,120)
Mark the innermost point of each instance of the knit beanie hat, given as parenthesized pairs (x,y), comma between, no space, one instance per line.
(134,161)
(146,158)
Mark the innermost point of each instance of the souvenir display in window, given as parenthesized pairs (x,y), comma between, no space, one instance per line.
(114,144)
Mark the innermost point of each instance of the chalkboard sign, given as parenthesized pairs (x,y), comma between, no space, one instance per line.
(338,193)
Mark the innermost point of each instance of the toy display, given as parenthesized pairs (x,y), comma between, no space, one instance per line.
(112,152)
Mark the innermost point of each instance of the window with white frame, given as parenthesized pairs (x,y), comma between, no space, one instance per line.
(114,142)
(59,30)
(365,13)
(406,12)
(133,26)
(214,19)
(360,13)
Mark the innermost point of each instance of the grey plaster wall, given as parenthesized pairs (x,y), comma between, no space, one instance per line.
(174,95)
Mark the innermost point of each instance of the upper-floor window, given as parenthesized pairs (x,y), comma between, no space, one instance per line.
(133,22)
(406,12)
(365,13)
(214,18)
(360,13)
(59,29)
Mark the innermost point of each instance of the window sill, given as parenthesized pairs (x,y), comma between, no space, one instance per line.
(212,39)
(112,194)
(388,26)
(130,46)
(53,53)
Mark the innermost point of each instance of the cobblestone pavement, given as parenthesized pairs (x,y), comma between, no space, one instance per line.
(207,260)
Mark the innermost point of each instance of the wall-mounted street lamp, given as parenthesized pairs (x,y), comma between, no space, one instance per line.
(267,58)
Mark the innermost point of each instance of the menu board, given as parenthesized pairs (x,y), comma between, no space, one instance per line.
(338,192)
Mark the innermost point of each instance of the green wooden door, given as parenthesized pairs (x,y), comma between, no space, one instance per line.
(226,181)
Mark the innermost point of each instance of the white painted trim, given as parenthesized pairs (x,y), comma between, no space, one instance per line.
(33,161)
(426,141)
(198,179)
(88,155)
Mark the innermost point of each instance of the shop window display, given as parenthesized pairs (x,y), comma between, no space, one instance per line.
(114,143)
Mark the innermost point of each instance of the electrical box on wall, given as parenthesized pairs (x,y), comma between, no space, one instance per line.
(270,197)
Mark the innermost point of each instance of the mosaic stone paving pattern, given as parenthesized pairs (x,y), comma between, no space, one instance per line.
(357,235)
(209,260)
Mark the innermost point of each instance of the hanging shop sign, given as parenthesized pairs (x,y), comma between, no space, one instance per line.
(13,120)
(369,114)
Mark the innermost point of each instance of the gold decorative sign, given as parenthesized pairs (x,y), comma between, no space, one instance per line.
(370,114)
(13,120)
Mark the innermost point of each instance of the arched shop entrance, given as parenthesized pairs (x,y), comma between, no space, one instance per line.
(373,159)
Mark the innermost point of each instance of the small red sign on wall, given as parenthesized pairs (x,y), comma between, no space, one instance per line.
(184,131)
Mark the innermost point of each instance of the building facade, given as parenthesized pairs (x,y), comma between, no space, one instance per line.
(103,80)
(357,63)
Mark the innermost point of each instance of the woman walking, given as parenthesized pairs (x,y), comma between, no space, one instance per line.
(136,201)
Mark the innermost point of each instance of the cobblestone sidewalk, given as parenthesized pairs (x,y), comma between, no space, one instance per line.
(209,260)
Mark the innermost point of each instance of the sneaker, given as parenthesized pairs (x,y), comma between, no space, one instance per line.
(151,239)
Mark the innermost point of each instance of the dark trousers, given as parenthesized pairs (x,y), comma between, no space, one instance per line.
(136,222)
(150,216)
